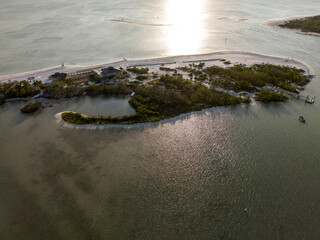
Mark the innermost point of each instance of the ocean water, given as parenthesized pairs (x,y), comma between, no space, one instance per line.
(184,178)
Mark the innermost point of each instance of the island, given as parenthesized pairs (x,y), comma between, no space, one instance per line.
(167,87)
(301,25)
(31,107)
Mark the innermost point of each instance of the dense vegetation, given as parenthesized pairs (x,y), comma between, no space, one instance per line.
(142,77)
(267,95)
(31,107)
(78,118)
(308,24)
(138,70)
(168,69)
(250,79)
(158,97)
(16,89)
(169,96)
(63,88)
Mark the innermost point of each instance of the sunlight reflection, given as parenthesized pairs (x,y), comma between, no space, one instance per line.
(186,34)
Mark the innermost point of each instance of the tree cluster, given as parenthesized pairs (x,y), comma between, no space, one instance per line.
(170,96)
(267,95)
(17,89)
(138,70)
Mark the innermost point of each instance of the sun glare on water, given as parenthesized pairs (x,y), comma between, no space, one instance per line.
(186,34)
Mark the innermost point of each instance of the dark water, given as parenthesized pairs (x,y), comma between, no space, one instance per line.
(95,105)
(186,178)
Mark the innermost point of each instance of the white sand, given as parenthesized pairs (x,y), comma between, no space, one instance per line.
(210,59)
(275,24)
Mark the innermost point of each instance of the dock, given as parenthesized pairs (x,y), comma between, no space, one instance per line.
(298,96)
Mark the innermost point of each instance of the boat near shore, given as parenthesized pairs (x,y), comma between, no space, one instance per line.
(301,119)
(310,100)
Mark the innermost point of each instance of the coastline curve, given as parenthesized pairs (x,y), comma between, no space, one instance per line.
(235,56)
(276,22)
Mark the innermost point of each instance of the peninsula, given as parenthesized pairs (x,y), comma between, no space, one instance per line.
(308,24)
(301,25)
(165,87)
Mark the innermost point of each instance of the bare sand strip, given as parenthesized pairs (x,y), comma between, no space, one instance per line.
(235,57)
(275,25)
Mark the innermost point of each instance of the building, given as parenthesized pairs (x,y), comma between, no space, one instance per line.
(58,75)
(110,72)
(80,76)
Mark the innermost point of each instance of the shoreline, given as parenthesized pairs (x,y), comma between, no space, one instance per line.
(210,59)
(94,127)
(276,22)
(235,57)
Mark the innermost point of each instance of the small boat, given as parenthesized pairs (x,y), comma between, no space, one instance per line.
(301,119)
(310,100)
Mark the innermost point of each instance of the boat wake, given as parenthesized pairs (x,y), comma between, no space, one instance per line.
(139,22)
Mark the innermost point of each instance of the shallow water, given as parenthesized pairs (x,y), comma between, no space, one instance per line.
(184,178)
(99,105)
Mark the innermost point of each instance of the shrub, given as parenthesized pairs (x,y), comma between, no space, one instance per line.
(31,107)
(138,70)
(269,95)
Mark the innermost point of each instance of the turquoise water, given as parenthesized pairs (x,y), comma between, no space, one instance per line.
(185,178)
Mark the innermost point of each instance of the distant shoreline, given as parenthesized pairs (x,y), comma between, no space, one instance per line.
(275,24)
(236,57)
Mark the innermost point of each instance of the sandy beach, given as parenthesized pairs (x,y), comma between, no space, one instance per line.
(210,59)
(275,25)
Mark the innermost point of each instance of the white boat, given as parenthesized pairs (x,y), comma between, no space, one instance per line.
(310,100)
